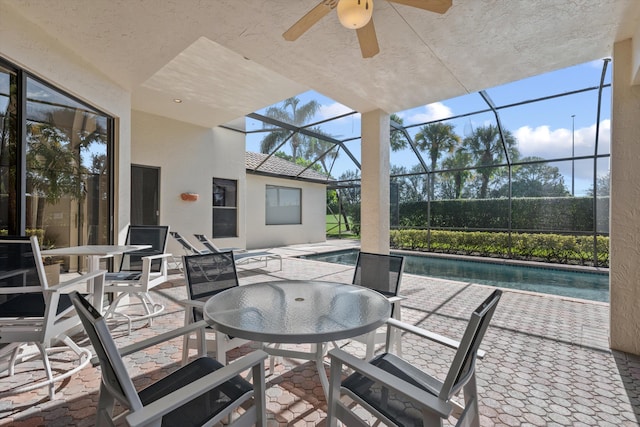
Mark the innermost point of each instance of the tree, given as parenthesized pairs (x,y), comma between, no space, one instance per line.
(55,147)
(456,165)
(411,188)
(435,138)
(290,111)
(300,161)
(486,149)
(324,151)
(397,139)
(349,198)
(603,185)
(52,171)
(534,180)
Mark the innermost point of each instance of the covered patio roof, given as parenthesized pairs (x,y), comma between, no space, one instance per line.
(226,59)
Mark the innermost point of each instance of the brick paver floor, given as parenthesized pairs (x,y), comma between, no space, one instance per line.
(547,361)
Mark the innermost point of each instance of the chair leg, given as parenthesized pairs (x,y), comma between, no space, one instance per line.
(84,357)
(335,375)
(470,416)
(221,348)
(14,357)
(186,337)
(259,395)
(396,334)
(371,345)
(47,368)
(104,415)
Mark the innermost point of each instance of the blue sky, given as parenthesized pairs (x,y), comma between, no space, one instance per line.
(544,129)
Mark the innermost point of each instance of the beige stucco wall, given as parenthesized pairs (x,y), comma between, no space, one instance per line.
(27,46)
(625,194)
(375,196)
(312,229)
(189,157)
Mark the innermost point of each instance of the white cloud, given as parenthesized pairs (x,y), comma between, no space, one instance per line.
(434,111)
(334,110)
(549,144)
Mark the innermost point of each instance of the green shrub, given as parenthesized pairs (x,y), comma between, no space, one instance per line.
(552,248)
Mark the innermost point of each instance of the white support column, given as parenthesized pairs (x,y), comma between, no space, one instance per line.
(374,208)
(625,194)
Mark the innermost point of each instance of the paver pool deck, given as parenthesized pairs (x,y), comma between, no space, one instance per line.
(548,361)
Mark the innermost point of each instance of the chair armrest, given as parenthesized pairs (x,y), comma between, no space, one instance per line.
(75,280)
(157,339)
(419,396)
(157,256)
(396,299)
(441,339)
(12,273)
(191,303)
(155,410)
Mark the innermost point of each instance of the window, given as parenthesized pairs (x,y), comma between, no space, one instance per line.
(283,205)
(61,190)
(225,208)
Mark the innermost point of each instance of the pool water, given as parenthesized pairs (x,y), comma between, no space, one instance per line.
(575,284)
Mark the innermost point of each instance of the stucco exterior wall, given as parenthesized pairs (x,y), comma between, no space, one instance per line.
(625,193)
(375,193)
(27,46)
(312,229)
(189,157)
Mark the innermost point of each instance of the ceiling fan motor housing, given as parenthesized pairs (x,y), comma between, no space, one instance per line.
(354,14)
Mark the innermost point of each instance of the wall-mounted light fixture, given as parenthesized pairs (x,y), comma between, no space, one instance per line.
(189,197)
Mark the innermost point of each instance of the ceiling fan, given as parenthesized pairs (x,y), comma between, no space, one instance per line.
(356,14)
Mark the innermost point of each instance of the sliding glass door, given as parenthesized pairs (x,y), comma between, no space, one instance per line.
(55,167)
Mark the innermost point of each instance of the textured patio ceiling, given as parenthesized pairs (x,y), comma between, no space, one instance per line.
(227,58)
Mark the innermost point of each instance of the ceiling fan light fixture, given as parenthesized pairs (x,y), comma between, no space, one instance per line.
(354,14)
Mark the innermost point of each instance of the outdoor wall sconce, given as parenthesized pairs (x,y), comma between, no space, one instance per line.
(189,197)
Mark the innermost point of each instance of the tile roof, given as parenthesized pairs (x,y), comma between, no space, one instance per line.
(280,167)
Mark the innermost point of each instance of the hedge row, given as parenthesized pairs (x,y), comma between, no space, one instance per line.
(535,213)
(552,248)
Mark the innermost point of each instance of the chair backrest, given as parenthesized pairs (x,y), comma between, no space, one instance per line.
(208,274)
(207,243)
(115,378)
(186,245)
(18,267)
(23,294)
(379,272)
(463,364)
(154,235)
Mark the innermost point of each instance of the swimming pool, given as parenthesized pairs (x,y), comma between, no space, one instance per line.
(575,284)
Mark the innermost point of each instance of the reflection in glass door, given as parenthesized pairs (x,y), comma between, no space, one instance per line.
(67,172)
(145,195)
(8,153)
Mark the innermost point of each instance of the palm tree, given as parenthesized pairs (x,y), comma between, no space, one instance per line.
(324,151)
(486,149)
(436,138)
(54,156)
(397,140)
(53,170)
(460,160)
(291,112)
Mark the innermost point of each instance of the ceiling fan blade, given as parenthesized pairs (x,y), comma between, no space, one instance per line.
(307,21)
(437,6)
(368,40)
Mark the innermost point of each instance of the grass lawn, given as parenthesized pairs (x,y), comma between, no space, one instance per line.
(335,227)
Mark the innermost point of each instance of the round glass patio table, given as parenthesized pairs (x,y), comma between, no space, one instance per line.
(297,311)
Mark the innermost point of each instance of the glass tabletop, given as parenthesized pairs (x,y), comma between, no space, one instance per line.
(297,311)
(94,250)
